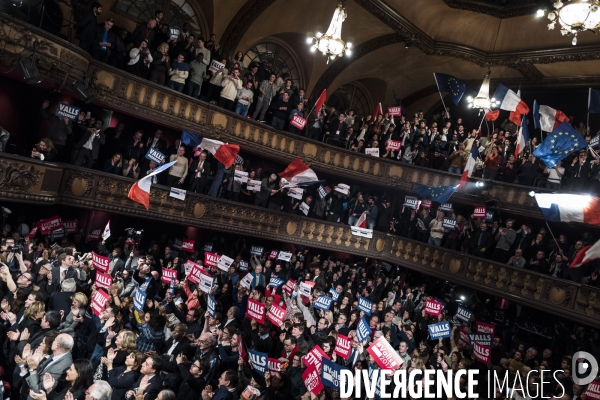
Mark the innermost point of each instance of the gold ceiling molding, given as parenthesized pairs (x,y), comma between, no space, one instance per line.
(69,185)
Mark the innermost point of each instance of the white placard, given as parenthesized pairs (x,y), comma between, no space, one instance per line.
(253,185)
(224,263)
(177,193)
(246,281)
(284,255)
(216,66)
(296,193)
(373,151)
(305,208)
(240,176)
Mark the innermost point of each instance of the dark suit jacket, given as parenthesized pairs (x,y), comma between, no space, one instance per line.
(60,301)
(98,141)
(486,240)
(57,370)
(118,267)
(182,347)
(153,389)
(86,28)
(99,34)
(161,145)
(121,384)
(54,285)
(233,323)
(140,33)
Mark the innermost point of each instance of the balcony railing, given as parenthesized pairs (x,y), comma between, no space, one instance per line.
(60,61)
(25,180)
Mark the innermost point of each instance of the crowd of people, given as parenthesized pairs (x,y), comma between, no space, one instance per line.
(59,343)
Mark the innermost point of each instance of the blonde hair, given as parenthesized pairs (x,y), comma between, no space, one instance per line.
(117,286)
(81,299)
(34,309)
(129,340)
(161,47)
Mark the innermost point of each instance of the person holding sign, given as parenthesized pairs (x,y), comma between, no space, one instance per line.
(299,111)
(60,129)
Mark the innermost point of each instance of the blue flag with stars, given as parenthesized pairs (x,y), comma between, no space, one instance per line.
(559,143)
(441,194)
(448,83)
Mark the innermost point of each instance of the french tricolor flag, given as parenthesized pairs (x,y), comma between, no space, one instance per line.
(523,137)
(378,111)
(298,173)
(225,153)
(550,118)
(471,162)
(564,207)
(511,101)
(140,191)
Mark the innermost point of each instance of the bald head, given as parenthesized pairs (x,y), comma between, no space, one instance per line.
(62,344)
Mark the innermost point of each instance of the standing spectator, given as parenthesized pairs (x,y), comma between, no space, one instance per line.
(86,28)
(437,161)
(504,241)
(144,32)
(114,164)
(244,99)
(201,170)
(160,64)
(458,160)
(44,150)
(266,90)
(178,171)
(281,110)
(58,132)
(509,170)
(492,162)
(267,189)
(299,111)
(579,172)
(372,212)
(231,84)
(214,87)
(436,229)
(213,46)
(131,169)
(196,76)
(200,49)
(55,367)
(178,72)
(135,146)
(554,176)
(104,40)
(88,147)
(528,171)
(140,59)
(481,241)
(185,47)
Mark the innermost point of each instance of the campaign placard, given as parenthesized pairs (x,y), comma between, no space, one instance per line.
(256,311)
(323,303)
(188,245)
(365,305)
(103,280)
(289,286)
(194,273)
(208,246)
(362,232)
(100,263)
(489,216)
(484,327)
(372,151)
(177,244)
(440,330)
(168,274)
(273,254)
(154,155)
(211,259)
(95,234)
(139,300)
(284,256)
(259,361)
(99,301)
(240,176)
(211,306)
(253,186)
(482,353)
(304,289)
(464,335)
(449,223)
(334,294)
(50,224)
(216,66)
(593,389)
(323,191)
(66,110)
(70,226)
(433,307)
(479,212)
(246,281)
(395,111)
(243,266)
(412,202)
(296,193)
(464,314)
(343,346)
(276,314)
(393,145)
(224,263)
(315,357)
(330,375)
(58,234)
(384,354)
(298,122)
(206,282)
(446,207)
(312,380)
(363,331)
(274,365)
(481,338)
(257,251)
(276,282)
(178,194)
(426,203)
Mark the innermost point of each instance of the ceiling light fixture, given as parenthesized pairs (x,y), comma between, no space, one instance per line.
(330,43)
(575,16)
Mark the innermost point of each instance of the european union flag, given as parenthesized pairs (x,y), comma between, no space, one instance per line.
(594,101)
(441,194)
(190,139)
(448,83)
(557,146)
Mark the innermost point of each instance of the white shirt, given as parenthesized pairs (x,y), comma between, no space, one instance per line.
(553,176)
(172,347)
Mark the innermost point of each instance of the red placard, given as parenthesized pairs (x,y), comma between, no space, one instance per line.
(50,224)
(343,346)
(289,286)
(103,280)
(276,314)
(314,357)
(70,226)
(167,274)
(479,212)
(274,365)
(312,380)
(195,273)
(433,307)
(384,354)
(395,111)
(394,145)
(188,245)
(593,390)
(95,234)
(464,335)
(483,327)
(426,203)
(482,353)
(99,301)
(99,262)
(298,122)
(256,311)
(211,259)
(273,254)
(33,232)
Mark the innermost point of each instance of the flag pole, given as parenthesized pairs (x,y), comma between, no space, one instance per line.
(588,113)
(442,97)
(550,230)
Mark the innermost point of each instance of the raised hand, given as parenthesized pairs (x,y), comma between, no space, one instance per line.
(48,382)
(25,334)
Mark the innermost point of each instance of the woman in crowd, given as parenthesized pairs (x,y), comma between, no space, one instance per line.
(44,150)
(114,165)
(79,378)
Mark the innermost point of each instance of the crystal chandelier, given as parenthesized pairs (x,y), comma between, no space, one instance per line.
(575,16)
(330,43)
(482,101)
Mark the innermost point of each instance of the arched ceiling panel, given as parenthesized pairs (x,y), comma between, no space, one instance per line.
(224,13)
(570,69)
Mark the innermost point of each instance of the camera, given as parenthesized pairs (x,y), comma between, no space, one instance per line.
(134,236)
(17,248)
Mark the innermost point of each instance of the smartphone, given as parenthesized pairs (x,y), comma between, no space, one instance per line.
(88,114)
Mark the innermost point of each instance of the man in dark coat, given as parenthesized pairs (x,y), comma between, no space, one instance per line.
(104,40)
(86,28)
